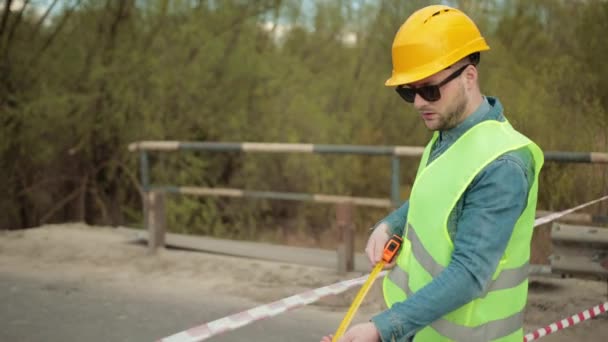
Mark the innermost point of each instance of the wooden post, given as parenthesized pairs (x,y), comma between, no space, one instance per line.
(346,233)
(155,219)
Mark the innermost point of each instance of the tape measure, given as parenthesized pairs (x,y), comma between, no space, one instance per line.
(390,250)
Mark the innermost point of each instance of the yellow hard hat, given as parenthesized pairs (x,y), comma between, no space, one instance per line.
(430,40)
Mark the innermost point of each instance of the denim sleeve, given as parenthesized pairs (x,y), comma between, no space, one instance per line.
(396,219)
(491,206)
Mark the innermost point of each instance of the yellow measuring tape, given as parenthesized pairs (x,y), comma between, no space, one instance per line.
(357,302)
(390,250)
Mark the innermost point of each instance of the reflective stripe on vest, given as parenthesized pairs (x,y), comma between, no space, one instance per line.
(482,333)
(507,279)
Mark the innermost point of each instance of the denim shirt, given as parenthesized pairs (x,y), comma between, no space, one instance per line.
(480,225)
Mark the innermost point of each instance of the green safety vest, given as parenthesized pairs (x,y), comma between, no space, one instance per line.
(497,315)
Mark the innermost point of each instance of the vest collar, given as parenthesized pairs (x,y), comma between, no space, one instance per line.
(489,109)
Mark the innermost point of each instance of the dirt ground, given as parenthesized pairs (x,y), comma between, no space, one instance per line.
(101,255)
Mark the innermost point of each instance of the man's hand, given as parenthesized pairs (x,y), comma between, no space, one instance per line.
(365,332)
(376,243)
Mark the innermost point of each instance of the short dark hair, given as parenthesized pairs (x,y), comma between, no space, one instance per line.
(474,58)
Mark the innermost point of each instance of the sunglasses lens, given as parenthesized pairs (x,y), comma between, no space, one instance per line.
(430,93)
(408,94)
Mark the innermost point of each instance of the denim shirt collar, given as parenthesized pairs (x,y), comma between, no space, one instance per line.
(489,109)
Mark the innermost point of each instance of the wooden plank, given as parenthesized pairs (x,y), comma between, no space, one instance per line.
(572,218)
(579,250)
(577,265)
(154,146)
(579,234)
(287,196)
(599,157)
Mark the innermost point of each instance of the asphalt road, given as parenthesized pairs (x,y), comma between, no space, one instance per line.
(37,310)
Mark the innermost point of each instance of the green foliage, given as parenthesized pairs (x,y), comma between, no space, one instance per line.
(76,89)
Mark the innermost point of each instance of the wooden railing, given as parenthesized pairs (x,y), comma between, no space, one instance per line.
(154,196)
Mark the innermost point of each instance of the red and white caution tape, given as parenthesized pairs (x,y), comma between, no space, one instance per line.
(204,331)
(555,216)
(567,322)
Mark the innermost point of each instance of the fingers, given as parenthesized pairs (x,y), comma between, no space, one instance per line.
(379,248)
(391,265)
(327,338)
(370,250)
(374,250)
(376,242)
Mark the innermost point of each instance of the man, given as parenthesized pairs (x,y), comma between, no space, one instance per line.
(461,274)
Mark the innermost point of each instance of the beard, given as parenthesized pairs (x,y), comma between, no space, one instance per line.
(454,113)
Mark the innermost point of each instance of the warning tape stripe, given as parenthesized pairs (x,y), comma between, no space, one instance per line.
(204,331)
(240,319)
(567,322)
(555,216)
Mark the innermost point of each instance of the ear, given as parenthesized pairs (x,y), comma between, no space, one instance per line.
(470,76)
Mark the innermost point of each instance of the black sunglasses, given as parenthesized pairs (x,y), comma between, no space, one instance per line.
(430,93)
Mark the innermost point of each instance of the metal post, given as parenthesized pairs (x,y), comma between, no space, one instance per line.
(145,185)
(395,197)
(345,226)
(143,168)
(156,219)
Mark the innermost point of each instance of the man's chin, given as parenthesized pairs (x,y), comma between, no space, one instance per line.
(432,125)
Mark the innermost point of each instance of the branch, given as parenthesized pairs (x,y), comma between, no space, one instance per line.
(88,60)
(234,25)
(154,32)
(46,181)
(5,14)
(54,34)
(60,205)
(277,12)
(124,10)
(16,23)
(98,195)
(102,207)
(42,19)
(126,170)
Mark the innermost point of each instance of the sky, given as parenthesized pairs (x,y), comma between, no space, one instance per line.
(39,6)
